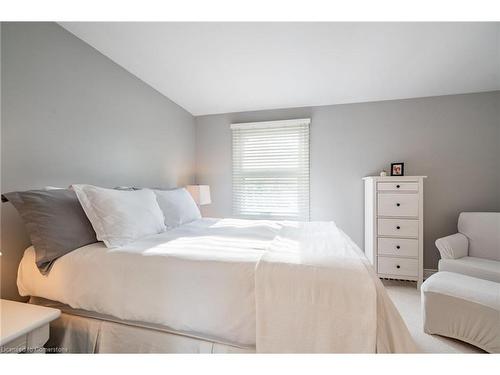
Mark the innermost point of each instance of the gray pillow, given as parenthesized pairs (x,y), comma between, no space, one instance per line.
(55,221)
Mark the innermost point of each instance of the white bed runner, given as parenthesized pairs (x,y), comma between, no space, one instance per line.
(316,293)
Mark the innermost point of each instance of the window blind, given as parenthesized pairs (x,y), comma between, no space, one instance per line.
(271,170)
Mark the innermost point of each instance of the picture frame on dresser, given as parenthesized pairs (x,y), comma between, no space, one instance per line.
(394,222)
(398,169)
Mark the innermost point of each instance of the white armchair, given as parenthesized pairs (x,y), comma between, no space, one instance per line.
(475,249)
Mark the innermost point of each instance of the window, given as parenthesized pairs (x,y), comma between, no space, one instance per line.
(271,170)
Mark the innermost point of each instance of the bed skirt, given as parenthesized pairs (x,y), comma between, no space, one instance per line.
(72,333)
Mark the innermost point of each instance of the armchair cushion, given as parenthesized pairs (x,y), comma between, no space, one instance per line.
(453,247)
(485,269)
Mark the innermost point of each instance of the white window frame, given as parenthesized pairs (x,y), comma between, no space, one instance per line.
(301,174)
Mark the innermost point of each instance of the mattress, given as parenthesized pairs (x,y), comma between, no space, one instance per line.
(197,278)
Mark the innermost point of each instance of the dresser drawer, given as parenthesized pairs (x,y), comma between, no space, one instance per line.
(397,227)
(398,246)
(397,186)
(398,205)
(398,266)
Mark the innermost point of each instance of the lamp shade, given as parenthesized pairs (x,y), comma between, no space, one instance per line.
(200,194)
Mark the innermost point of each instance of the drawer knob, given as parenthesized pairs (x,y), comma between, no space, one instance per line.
(397,186)
(398,266)
(398,247)
(398,204)
(398,227)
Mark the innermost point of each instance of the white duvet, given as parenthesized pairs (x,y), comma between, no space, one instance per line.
(281,286)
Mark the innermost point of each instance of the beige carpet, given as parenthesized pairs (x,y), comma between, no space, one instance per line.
(406,297)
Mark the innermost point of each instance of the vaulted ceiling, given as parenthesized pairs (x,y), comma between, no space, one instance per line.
(230,67)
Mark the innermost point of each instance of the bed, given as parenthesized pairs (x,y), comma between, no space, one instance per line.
(221,285)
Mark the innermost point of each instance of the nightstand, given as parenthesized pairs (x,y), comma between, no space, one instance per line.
(24,327)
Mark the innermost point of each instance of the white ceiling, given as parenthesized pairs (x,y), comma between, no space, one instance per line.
(230,67)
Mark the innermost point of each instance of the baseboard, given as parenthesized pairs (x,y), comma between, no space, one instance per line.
(428,272)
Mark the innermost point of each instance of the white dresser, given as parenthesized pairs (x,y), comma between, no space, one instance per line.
(394,224)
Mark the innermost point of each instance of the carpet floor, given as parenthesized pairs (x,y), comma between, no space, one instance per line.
(406,297)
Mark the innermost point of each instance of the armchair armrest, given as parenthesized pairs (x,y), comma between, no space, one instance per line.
(453,247)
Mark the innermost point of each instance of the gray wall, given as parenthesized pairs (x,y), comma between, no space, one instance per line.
(454,140)
(71,115)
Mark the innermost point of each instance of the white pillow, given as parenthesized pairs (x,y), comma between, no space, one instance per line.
(178,207)
(120,216)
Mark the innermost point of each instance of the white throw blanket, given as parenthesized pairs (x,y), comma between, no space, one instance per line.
(316,293)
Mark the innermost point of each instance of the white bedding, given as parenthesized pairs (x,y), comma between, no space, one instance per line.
(282,286)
